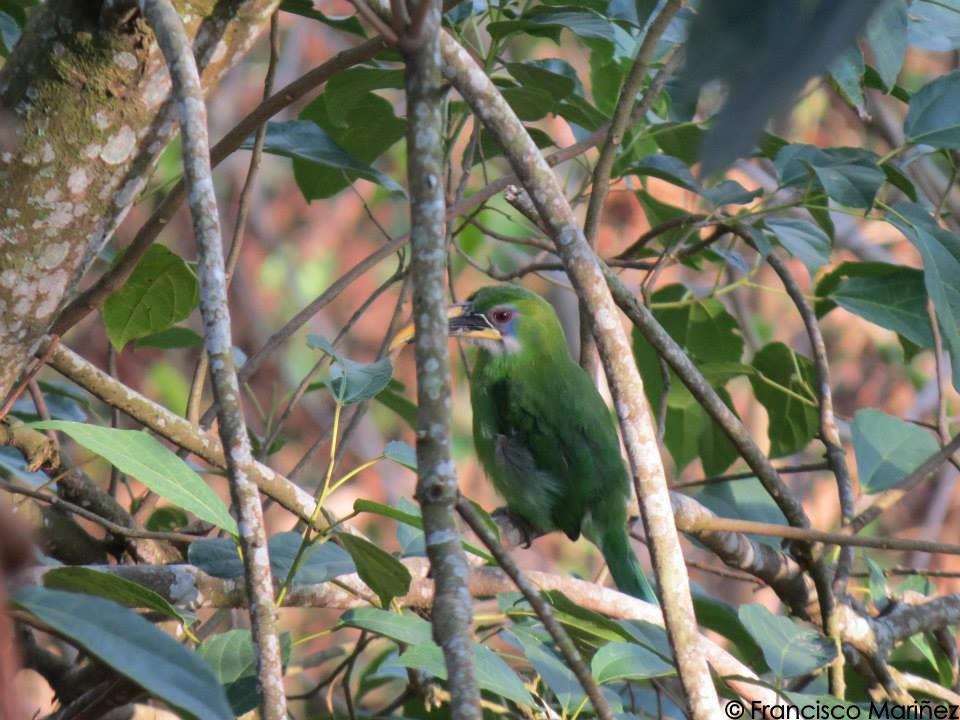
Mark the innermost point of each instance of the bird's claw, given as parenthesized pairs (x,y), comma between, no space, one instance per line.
(502,515)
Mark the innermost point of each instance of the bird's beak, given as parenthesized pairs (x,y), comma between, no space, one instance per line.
(461,323)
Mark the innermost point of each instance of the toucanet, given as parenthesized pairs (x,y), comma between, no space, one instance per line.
(543,434)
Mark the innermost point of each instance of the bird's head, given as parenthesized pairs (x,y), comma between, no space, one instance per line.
(502,320)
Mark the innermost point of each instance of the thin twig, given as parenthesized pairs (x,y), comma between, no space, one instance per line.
(540,607)
(177,50)
(236,243)
(109,525)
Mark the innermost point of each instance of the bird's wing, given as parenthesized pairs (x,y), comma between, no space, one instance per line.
(529,449)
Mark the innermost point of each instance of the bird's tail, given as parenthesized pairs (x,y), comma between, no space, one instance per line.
(624,565)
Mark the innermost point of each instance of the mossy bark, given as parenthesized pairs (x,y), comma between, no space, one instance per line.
(84,115)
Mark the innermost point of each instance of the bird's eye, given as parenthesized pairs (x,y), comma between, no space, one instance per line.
(502,316)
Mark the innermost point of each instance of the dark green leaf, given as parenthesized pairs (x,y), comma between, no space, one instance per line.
(173,337)
(887,35)
(934,114)
(493,674)
(896,300)
(803,240)
(575,109)
(490,148)
(166,519)
(404,627)
(344,90)
(305,8)
(888,449)
(320,561)
(230,656)
(87,581)
(369,129)
(896,177)
(133,647)
(556,77)
(668,168)
(716,451)
(554,671)
(308,143)
(847,72)
(136,453)
(529,103)
(784,384)
(682,140)
(790,649)
(162,290)
(217,557)
(850,176)
(940,250)
(627,661)
(381,571)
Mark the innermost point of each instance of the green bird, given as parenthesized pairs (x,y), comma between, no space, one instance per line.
(543,434)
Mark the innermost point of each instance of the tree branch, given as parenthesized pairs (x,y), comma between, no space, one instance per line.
(437,490)
(214,308)
(625,383)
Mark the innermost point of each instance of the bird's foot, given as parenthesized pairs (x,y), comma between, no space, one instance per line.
(508,520)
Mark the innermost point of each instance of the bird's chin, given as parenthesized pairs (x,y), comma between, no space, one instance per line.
(495,347)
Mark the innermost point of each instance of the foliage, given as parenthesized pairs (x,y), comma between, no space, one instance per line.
(867,232)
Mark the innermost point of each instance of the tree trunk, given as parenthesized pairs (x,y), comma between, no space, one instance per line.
(84,115)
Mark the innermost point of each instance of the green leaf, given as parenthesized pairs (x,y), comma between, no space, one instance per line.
(850,176)
(402,627)
(230,656)
(343,92)
(320,561)
(934,25)
(891,296)
(166,519)
(668,168)
(557,77)
(133,647)
(366,129)
(493,674)
(588,625)
(789,648)
(87,581)
(716,451)
(305,8)
(940,250)
(887,35)
(803,240)
(309,144)
(141,455)
(552,670)
(627,661)
(351,381)
(934,114)
(217,557)
(173,337)
(410,519)
(847,72)
(401,453)
(381,571)
(888,449)
(710,336)
(529,103)
(161,291)
(784,384)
